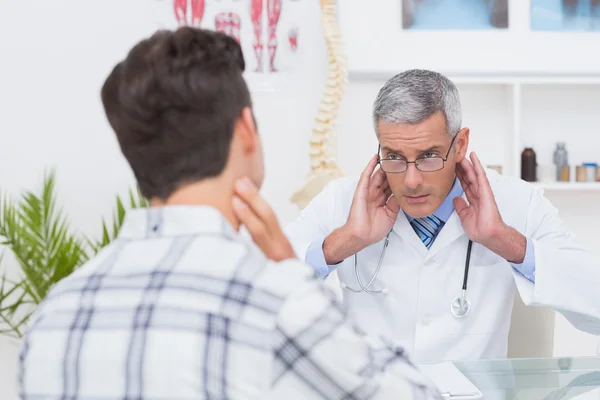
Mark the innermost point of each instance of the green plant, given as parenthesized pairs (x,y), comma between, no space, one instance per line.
(136,200)
(47,249)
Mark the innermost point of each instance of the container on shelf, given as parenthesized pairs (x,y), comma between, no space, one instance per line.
(580,173)
(560,158)
(565,174)
(598,174)
(590,171)
(528,165)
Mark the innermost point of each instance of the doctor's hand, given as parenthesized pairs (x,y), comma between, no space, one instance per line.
(480,217)
(260,220)
(372,215)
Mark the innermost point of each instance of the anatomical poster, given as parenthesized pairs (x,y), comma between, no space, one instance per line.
(268,30)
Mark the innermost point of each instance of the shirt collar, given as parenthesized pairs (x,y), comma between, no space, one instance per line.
(446,209)
(175,220)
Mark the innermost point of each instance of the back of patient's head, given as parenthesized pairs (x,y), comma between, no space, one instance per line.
(173,103)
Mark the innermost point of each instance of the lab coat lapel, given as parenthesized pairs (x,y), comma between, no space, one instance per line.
(404,229)
(451,231)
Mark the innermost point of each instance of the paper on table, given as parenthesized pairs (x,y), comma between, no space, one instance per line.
(450,381)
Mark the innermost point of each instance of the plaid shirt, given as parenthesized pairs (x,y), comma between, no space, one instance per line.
(181,306)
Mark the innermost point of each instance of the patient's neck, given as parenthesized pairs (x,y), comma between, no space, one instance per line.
(216,192)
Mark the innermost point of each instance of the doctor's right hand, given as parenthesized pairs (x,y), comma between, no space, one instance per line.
(372,215)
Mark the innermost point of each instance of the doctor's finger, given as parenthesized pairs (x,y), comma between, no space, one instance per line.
(365,176)
(387,193)
(382,195)
(392,205)
(461,206)
(362,187)
(481,175)
(385,185)
(377,179)
(467,187)
(463,167)
(468,172)
(461,177)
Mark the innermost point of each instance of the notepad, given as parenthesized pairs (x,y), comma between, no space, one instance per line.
(450,381)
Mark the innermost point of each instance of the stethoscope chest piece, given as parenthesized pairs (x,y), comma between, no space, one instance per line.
(461,306)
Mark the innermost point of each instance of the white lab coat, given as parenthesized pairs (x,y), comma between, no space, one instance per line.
(422,283)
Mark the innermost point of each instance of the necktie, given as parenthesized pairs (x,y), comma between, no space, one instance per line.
(427,228)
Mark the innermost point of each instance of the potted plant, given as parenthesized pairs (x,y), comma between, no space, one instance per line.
(37,233)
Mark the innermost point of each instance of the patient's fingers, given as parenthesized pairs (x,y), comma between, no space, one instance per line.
(260,221)
(248,193)
(256,227)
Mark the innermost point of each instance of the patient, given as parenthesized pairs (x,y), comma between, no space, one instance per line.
(180,305)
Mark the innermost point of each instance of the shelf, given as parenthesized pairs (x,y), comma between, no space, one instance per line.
(569,186)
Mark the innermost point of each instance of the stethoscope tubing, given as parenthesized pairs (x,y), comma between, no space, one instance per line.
(366,288)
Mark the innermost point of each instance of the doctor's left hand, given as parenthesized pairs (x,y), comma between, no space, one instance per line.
(260,220)
(481,218)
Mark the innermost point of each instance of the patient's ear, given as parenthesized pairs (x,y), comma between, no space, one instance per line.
(462,144)
(246,130)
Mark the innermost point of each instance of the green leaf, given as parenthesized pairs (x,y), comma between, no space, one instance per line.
(38,234)
(35,229)
(136,200)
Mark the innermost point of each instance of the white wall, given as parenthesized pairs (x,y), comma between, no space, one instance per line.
(55,56)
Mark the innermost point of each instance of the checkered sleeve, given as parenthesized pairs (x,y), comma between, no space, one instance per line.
(318,353)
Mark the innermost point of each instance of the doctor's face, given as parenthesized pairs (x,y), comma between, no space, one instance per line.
(418,192)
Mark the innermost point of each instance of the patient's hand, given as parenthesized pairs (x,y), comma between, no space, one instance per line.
(260,220)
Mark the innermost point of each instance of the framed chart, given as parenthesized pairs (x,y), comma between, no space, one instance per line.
(270,32)
(473,37)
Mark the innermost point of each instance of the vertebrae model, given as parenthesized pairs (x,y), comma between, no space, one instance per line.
(322,158)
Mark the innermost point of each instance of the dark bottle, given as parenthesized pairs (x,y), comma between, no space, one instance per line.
(528,165)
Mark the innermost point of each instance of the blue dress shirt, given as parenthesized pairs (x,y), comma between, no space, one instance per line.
(316,258)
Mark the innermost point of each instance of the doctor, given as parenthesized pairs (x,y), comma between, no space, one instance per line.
(430,247)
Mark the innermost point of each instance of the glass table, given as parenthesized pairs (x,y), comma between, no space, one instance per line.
(543,378)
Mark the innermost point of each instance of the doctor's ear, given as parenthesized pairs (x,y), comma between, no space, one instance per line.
(462,144)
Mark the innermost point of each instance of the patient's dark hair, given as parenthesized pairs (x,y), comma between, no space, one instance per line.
(173,103)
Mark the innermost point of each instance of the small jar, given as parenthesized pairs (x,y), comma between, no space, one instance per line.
(598,173)
(590,171)
(580,173)
(565,173)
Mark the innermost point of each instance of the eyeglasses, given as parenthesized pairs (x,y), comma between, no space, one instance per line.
(423,164)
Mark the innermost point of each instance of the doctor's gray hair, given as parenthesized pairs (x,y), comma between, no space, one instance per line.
(413,96)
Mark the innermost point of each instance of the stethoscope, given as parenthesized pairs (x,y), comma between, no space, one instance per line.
(460,306)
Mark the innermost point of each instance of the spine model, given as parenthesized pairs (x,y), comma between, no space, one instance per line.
(322,156)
